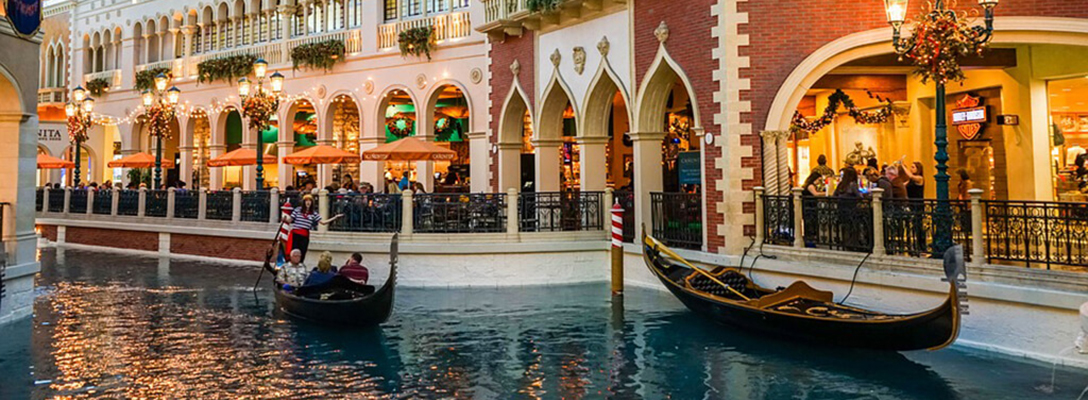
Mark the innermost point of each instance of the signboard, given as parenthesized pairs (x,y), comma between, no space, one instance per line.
(1010,120)
(25,16)
(691,169)
(51,134)
(968,116)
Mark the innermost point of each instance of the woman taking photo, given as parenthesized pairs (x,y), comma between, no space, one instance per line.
(303,220)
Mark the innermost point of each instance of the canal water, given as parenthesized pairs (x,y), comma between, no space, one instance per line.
(113,326)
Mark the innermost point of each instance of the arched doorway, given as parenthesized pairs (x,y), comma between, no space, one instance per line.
(558,162)
(170,151)
(201,132)
(87,162)
(608,157)
(398,121)
(449,119)
(232,136)
(343,123)
(302,118)
(516,150)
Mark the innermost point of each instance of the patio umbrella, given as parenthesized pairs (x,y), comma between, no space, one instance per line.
(240,157)
(409,149)
(139,160)
(321,154)
(46,161)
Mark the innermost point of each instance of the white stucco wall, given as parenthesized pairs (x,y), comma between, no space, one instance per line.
(587,35)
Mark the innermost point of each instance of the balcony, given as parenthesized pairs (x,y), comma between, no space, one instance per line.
(446,27)
(52,96)
(112,76)
(512,17)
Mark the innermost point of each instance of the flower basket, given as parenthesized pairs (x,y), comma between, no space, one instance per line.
(98,86)
(226,69)
(321,55)
(145,80)
(417,42)
(542,5)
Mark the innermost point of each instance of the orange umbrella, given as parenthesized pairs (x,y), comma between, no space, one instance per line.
(409,149)
(322,154)
(139,160)
(46,161)
(239,157)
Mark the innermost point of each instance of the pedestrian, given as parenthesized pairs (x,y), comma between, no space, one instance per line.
(916,183)
(965,184)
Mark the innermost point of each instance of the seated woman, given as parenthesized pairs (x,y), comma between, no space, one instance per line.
(323,273)
(354,270)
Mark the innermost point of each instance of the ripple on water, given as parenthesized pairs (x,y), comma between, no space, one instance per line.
(108,326)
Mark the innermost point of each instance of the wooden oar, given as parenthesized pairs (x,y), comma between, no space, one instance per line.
(661,247)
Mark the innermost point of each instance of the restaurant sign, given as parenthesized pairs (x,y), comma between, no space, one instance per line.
(47,134)
(691,170)
(968,116)
(25,16)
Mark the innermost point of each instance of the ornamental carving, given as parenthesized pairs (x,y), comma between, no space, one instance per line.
(515,67)
(476,75)
(556,58)
(368,87)
(604,46)
(662,32)
(421,81)
(579,59)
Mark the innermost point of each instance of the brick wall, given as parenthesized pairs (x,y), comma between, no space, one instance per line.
(230,248)
(147,241)
(691,45)
(502,56)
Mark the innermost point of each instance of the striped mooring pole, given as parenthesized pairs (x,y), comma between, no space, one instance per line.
(617,249)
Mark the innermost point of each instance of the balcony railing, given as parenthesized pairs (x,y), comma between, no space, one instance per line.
(678,219)
(460,213)
(561,211)
(173,65)
(909,227)
(370,212)
(353,41)
(838,223)
(1035,232)
(778,220)
(446,27)
(52,95)
(497,10)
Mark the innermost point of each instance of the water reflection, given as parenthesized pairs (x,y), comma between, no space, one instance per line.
(113,326)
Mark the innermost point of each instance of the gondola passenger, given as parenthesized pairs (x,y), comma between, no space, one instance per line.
(292,274)
(303,220)
(323,273)
(354,270)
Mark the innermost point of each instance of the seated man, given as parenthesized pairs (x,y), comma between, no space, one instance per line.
(354,270)
(292,274)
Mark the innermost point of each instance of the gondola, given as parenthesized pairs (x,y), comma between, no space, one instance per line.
(800,312)
(342,302)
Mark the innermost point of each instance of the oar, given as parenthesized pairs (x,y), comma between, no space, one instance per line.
(661,247)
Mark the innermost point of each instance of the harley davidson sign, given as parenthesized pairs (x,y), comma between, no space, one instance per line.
(969,116)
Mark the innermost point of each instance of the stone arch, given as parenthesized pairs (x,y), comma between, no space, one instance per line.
(513,113)
(383,104)
(427,117)
(557,96)
(86,170)
(598,101)
(1008,30)
(654,92)
(330,109)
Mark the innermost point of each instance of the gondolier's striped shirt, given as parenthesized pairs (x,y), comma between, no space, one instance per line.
(302,221)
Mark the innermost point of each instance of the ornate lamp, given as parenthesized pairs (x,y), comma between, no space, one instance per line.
(161,106)
(935,46)
(258,105)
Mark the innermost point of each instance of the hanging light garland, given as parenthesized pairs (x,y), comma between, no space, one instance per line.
(802,125)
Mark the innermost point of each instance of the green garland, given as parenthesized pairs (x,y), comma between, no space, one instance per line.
(98,86)
(939,42)
(542,5)
(397,131)
(227,68)
(801,125)
(417,42)
(145,80)
(323,55)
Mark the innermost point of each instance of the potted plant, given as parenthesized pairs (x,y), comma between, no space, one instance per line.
(417,42)
(323,55)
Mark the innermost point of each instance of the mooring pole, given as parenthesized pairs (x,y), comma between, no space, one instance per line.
(617,249)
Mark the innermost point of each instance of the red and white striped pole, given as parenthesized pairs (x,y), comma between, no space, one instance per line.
(617,249)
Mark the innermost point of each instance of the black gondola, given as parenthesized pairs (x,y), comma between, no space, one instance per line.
(341,301)
(800,312)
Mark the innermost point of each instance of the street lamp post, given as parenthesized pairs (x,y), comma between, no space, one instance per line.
(940,38)
(160,104)
(258,105)
(80,109)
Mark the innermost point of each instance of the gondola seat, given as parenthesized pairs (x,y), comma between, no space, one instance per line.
(796,290)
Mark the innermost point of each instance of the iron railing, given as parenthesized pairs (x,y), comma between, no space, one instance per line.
(560,211)
(838,223)
(103,202)
(220,205)
(186,204)
(626,199)
(909,227)
(255,205)
(56,200)
(39,199)
(77,203)
(778,220)
(678,219)
(1034,232)
(128,202)
(370,212)
(459,213)
(155,203)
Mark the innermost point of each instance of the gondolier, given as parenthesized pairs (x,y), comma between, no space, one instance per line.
(303,220)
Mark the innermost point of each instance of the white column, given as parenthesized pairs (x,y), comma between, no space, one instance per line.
(547,165)
(798,225)
(647,154)
(286,171)
(479,150)
(978,253)
(509,166)
(185,168)
(407,219)
(236,205)
(878,222)
(372,172)
(512,220)
(215,174)
(593,174)
(760,228)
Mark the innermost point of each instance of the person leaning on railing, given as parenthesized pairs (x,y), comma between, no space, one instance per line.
(848,193)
